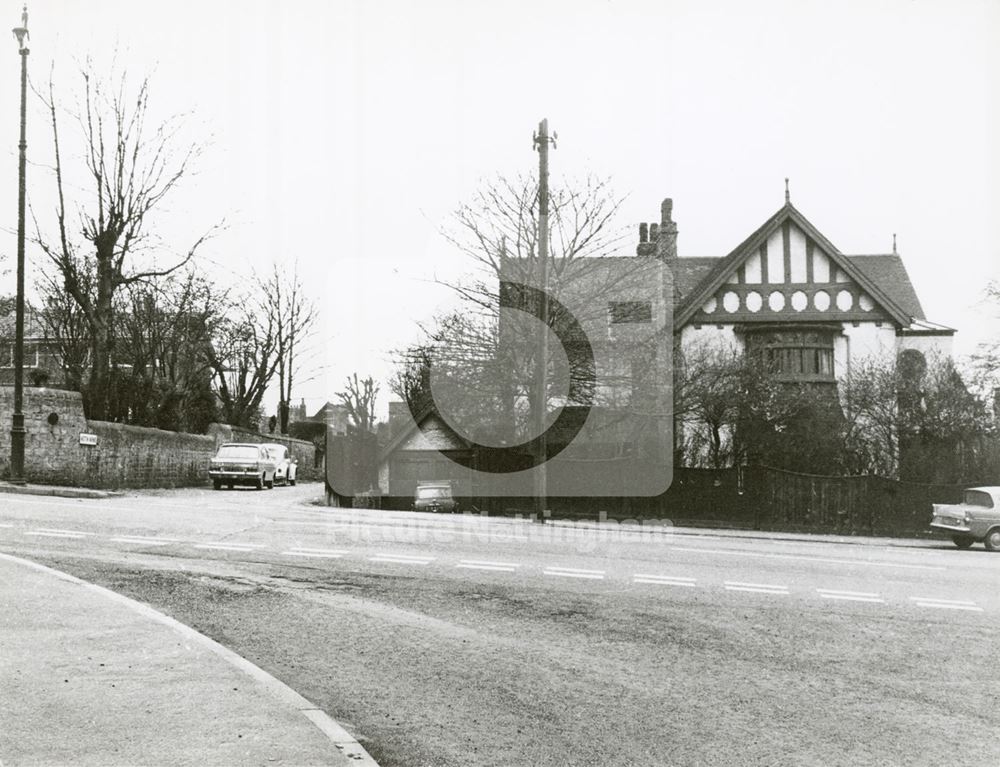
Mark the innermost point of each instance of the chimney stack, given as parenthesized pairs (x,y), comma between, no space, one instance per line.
(667,241)
(660,239)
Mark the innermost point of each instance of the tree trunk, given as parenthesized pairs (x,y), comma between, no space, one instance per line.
(100,364)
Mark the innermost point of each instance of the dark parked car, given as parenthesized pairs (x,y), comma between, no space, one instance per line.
(976,518)
(242,464)
(434,496)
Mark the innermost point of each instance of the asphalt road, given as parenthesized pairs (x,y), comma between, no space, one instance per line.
(468,641)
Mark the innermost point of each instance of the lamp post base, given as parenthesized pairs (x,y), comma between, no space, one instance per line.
(17,433)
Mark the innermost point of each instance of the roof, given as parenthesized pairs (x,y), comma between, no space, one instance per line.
(689,272)
(411,427)
(34,327)
(321,414)
(887,282)
(886,270)
(889,273)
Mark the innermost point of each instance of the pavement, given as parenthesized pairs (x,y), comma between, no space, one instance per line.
(90,677)
(56,490)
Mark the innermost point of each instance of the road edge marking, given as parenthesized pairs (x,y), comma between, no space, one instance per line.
(335,733)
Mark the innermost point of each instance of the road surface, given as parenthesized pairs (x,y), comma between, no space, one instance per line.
(452,640)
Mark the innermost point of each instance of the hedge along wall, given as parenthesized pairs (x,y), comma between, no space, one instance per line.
(124,456)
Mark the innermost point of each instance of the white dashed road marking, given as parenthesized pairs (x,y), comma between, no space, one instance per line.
(500,567)
(572,572)
(758,588)
(145,540)
(50,532)
(662,580)
(850,596)
(947,604)
(300,551)
(230,546)
(401,559)
(806,558)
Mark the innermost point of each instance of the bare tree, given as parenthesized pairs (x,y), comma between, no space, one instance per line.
(295,319)
(870,398)
(132,168)
(359,398)
(67,326)
(733,408)
(244,357)
(983,366)
(164,330)
(482,357)
(411,380)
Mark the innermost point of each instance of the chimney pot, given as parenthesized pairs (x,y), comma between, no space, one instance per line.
(643,233)
(666,211)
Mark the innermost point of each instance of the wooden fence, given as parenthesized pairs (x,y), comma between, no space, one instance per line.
(760,498)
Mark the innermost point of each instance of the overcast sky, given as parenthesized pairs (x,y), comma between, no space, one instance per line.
(342,134)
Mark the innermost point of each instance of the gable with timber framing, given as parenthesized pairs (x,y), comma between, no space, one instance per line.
(787,271)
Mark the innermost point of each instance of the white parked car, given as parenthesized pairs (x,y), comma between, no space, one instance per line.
(976,518)
(238,463)
(286,467)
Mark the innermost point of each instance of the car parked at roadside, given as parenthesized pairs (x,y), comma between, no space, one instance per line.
(434,496)
(286,467)
(237,463)
(975,519)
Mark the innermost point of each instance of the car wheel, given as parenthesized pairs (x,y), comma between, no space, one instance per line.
(259,483)
(270,483)
(963,541)
(992,539)
(216,484)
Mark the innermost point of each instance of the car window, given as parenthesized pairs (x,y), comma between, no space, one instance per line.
(239,452)
(433,492)
(978,498)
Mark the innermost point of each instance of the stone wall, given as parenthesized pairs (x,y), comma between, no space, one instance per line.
(50,449)
(124,456)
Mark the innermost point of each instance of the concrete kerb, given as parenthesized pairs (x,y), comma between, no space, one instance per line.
(338,736)
(661,527)
(55,490)
(721,532)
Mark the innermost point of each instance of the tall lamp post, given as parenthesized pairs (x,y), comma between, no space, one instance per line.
(17,428)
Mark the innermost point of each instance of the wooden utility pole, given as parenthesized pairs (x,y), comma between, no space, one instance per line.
(541,143)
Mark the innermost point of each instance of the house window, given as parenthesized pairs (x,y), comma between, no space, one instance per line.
(795,354)
(621,312)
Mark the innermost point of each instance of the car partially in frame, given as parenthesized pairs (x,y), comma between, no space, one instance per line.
(286,468)
(238,463)
(975,519)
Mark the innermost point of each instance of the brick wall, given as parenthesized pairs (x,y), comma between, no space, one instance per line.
(124,456)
